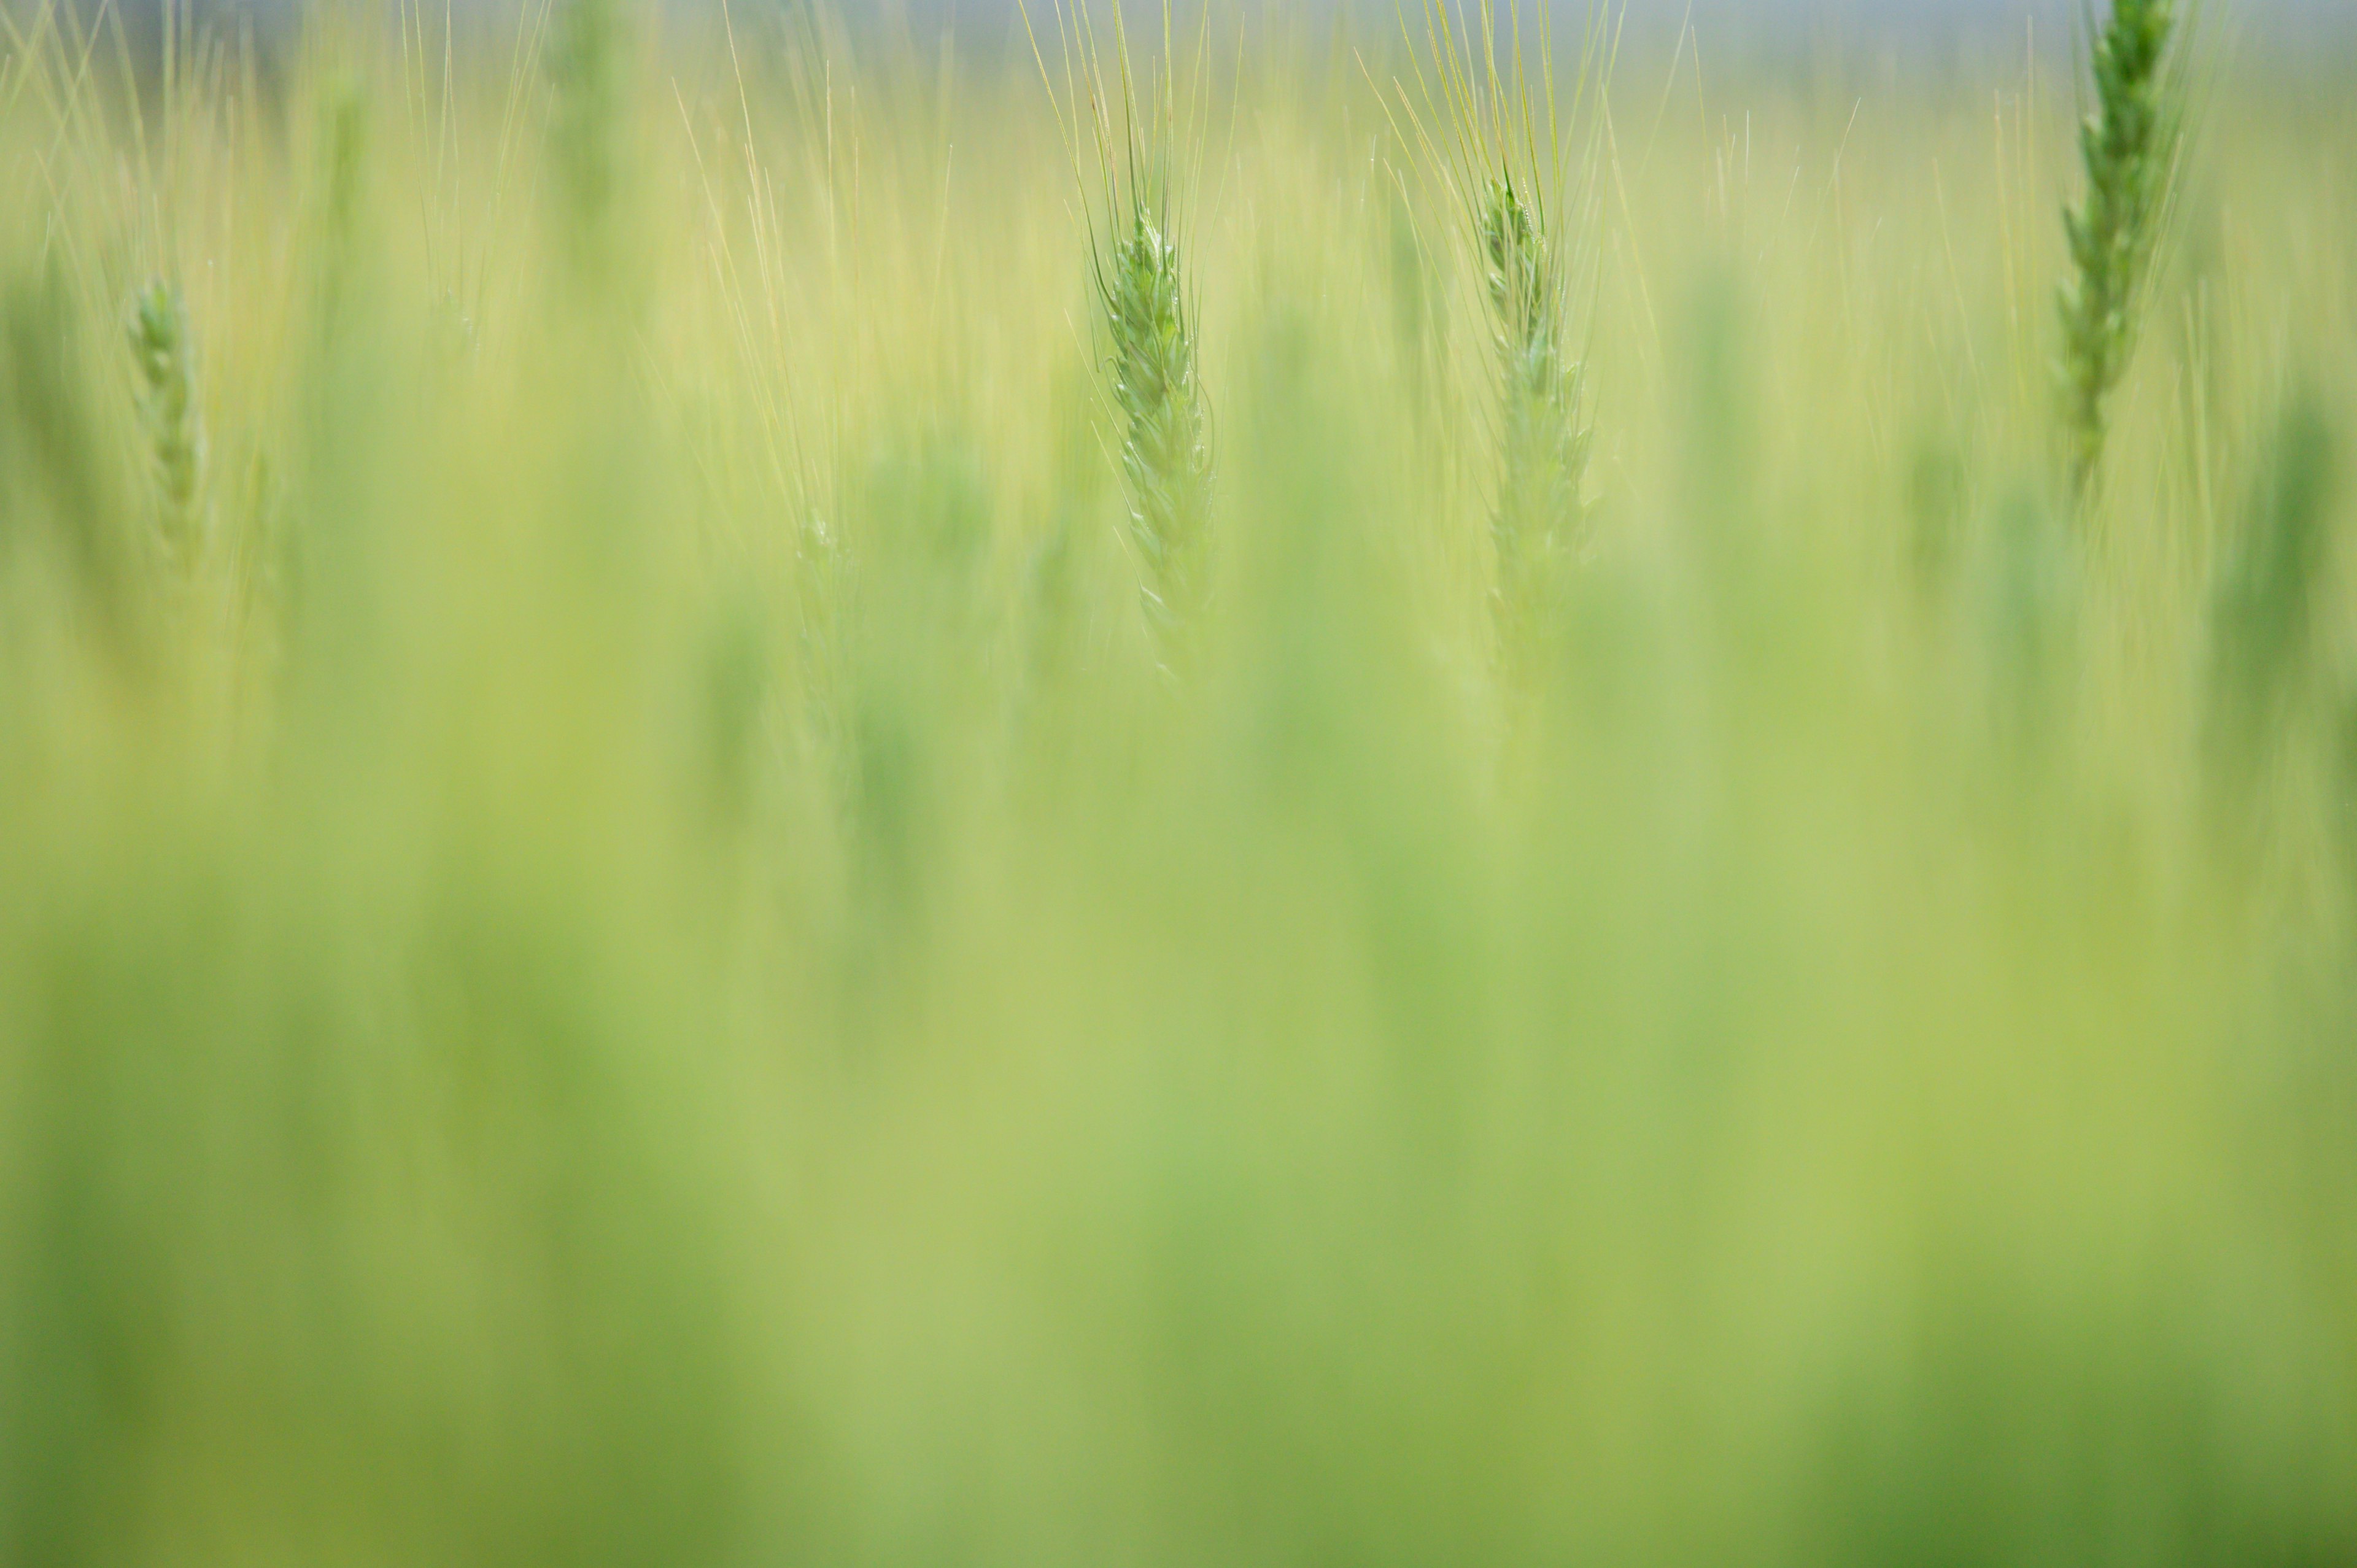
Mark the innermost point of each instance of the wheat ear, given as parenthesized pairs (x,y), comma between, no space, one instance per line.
(1144,305)
(2128,143)
(166,391)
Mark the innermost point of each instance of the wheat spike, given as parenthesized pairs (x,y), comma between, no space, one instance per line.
(164,358)
(2128,144)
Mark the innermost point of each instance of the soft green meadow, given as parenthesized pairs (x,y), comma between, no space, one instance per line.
(773,794)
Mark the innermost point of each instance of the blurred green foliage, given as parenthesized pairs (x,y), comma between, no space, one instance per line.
(615,950)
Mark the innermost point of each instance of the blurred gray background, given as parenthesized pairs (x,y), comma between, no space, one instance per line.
(1924,19)
(1974,25)
(2321,33)
(1980,15)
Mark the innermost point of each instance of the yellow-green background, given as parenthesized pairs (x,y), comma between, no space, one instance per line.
(636,965)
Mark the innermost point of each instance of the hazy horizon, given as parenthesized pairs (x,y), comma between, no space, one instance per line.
(1969,27)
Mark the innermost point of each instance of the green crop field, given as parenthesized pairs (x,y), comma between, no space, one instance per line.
(1249,790)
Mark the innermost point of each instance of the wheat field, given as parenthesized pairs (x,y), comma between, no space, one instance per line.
(775,790)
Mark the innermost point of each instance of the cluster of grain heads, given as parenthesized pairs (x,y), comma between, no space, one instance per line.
(1165,455)
(2128,142)
(163,359)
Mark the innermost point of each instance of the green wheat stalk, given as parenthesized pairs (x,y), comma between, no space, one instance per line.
(2129,144)
(1518,167)
(163,359)
(54,465)
(1166,458)
(1544,443)
(2268,600)
(587,82)
(1145,312)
